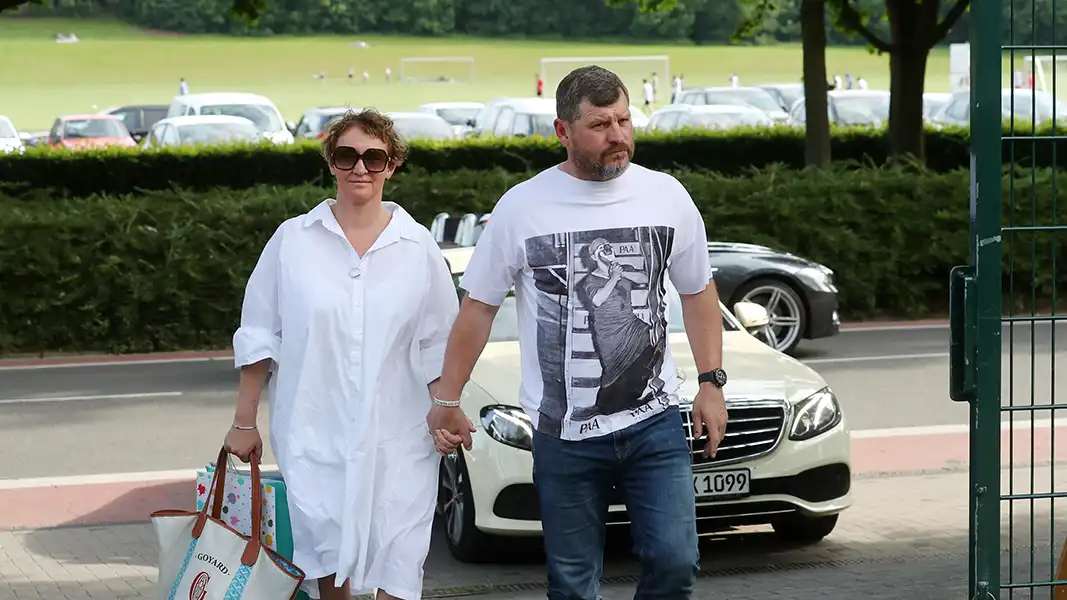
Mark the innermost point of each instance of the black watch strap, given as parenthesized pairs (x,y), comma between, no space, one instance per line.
(716,377)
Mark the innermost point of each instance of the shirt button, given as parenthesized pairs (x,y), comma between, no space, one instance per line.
(354,273)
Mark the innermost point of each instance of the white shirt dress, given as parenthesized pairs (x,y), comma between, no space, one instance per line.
(354,343)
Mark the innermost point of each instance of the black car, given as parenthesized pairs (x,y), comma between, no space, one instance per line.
(139,119)
(799,295)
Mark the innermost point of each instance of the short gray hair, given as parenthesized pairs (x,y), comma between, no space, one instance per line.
(597,85)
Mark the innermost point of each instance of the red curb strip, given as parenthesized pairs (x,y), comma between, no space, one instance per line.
(103,503)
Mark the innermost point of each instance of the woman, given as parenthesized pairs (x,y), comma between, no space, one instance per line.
(350,306)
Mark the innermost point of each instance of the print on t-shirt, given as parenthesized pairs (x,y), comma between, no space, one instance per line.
(601,326)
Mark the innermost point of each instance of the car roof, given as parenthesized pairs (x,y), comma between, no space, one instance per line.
(458,258)
(726,88)
(221,97)
(452,105)
(726,108)
(89,116)
(868,93)
(203,120)
(534,106)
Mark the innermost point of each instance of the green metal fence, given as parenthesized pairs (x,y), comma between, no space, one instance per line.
(1004,304)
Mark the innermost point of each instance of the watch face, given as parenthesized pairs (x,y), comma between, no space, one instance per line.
(720,377)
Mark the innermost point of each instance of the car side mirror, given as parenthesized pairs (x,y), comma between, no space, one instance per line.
(752,316)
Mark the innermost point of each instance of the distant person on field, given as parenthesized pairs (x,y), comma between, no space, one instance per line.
(540,86)
(366,77)
(183,88)
(655,85)
(676,88)
(388,75)
(838,84)
(861,83)
(848,81)
(735,81)
(351,73)
(650,93)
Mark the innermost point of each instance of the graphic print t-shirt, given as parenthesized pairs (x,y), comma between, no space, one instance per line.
(589,262)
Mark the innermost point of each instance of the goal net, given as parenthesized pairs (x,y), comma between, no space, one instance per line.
(1043,72)
(437,69)
(633,70)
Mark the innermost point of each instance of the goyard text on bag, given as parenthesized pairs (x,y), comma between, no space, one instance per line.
(203,558)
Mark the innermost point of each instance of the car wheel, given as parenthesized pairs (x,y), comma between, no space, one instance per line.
(456,507)
(785,308)
(802,529)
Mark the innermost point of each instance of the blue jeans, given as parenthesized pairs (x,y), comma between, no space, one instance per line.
(650,463)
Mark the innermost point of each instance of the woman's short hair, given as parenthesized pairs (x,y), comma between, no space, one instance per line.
(374,124)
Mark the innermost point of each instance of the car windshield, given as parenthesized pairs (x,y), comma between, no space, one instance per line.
(414,127)
(543,125)
(791,94)
(739,97)
(95,128)
(728,120)
(457,116)
(213,133)
(7,130)
(506,323)
(264,117)
(862,110)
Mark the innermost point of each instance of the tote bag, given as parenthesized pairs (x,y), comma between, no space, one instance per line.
(203,558)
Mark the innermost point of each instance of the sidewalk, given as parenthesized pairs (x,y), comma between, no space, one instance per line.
(905,537)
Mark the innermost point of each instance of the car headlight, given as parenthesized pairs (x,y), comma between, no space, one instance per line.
(815,414)
(509,426)
(820,278)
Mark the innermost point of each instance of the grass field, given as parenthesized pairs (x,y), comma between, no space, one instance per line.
(114,64)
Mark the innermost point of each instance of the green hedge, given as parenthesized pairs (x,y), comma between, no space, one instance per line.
(729,153)
(165,270)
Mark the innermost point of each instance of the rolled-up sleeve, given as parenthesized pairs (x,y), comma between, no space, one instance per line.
(439,312)
(260,335)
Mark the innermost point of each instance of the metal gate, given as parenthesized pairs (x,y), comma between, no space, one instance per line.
(1003,305)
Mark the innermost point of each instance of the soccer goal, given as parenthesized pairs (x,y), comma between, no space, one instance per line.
(437,69)
(1049,73)
(633,70)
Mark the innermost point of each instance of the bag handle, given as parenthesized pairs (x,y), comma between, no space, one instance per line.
(218,486)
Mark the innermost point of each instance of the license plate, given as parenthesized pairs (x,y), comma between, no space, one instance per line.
(712,484)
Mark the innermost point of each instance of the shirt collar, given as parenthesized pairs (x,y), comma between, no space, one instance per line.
(402,225)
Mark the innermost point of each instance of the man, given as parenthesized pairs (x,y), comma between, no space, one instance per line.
(650,93)
(588,246)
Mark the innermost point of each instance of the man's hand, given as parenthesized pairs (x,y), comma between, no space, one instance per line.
(449,428)
(709,415)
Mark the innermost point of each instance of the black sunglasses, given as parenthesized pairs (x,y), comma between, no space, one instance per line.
(375,160)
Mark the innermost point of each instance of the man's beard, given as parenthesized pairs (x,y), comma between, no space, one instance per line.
(597,170)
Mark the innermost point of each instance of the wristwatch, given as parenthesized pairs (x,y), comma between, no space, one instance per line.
(716,377)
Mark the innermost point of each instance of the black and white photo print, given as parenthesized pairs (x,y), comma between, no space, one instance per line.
(601,327)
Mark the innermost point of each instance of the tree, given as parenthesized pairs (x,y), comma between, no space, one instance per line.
(915,26)
(248,10)
(813,43)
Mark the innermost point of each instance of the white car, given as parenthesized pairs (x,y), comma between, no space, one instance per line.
(201,130)
(258,109)
(418,125)
(460,115)
(785,460)
(673,117)
(10,141)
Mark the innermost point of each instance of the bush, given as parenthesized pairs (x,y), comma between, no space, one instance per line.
(165,270)
(729,153)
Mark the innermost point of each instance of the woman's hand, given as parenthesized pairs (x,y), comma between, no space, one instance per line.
(243,443)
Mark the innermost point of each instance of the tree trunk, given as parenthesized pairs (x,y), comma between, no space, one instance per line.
(816,117)
(907,71)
